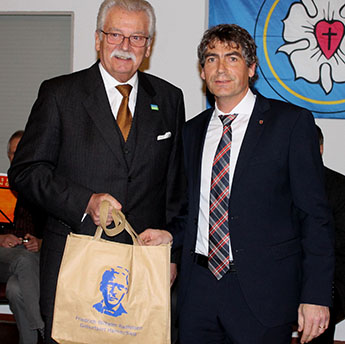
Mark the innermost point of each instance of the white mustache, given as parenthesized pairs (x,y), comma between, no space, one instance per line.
(123,54)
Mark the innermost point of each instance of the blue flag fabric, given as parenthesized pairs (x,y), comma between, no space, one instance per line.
(301,49)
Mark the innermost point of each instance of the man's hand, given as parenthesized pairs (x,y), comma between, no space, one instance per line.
(312,321)
(173,273)
(34,244)
(93,207)
(9,240)
(155,237)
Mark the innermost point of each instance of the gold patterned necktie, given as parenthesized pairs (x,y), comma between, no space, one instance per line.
(124,116)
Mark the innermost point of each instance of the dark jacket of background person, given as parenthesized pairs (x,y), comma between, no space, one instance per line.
(335,189)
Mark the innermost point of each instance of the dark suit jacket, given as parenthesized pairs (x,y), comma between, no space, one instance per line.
(335,189)
(72,148)
(279,220)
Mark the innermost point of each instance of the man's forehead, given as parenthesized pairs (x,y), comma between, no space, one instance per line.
(118,281)
(118,274)
(227,45)
(117,12)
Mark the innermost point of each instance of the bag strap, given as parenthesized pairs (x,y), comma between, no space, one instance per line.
(120,224)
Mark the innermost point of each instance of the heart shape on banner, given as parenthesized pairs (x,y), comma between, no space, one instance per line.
(329,35)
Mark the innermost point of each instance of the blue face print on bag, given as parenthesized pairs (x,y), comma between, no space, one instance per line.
(114,286)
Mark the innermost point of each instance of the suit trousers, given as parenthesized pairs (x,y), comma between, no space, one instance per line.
(19,268)
(215,312)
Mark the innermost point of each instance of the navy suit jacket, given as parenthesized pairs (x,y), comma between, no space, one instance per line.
(279,220)
(72,148)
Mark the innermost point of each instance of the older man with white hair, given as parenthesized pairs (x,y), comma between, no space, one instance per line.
(109,132)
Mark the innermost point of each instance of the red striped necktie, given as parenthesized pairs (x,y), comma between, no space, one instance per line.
(219,240)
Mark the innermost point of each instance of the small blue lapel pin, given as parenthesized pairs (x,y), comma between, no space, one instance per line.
(154,107)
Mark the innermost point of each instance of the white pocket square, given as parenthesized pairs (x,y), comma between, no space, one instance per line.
(164,137)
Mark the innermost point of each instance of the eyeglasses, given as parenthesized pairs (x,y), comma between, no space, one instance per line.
(117,38)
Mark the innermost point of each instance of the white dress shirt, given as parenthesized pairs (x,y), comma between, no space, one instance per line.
(214,133)
(114,95)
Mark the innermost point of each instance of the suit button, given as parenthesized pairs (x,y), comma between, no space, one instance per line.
(195,221)
(126,151)
(191,252)
(129,180)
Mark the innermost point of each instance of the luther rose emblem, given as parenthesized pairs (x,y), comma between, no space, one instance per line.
(314,41)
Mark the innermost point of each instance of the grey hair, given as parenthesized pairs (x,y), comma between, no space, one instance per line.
(131,6)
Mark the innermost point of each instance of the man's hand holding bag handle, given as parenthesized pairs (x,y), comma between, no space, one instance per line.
(150,237)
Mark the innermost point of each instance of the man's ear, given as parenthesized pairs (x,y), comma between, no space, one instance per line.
(97,41)
(148,51)
(202,74)
(251,70)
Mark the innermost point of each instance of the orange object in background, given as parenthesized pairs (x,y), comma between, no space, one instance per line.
(8,200)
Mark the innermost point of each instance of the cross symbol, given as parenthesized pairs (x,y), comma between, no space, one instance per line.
(329,34)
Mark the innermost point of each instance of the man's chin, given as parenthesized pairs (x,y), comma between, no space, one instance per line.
(112,305)
(122,73)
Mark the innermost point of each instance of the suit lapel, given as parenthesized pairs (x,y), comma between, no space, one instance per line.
(198,140)
(252,136)
(97,106)
(145,120)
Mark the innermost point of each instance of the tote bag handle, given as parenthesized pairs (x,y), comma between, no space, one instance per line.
(120,224)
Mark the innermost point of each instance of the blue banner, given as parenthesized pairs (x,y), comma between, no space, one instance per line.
(301,49)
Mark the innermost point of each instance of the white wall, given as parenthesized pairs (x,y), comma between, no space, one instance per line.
(334,146)
(180,24)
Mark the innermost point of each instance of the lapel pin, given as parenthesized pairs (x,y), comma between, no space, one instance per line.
(261,121)
(154,107)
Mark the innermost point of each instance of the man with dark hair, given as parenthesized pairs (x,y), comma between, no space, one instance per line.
(258,240)
(19,262)
(335,190)
(109,132)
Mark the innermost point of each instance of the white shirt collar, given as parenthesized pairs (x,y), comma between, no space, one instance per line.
(110,82)
(244,107)
(114,95)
